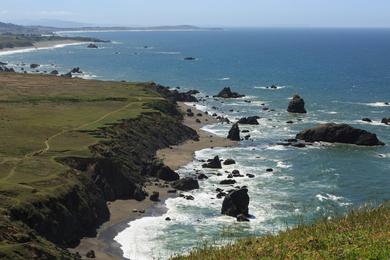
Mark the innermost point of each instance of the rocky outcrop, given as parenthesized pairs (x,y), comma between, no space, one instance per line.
(227,93)
(54,72)
(92,46)
(234,133)
(214,163)
(167,174)
(174,95)
(296,105)
(339,133)
(252,120)
(34,65)
(236,203)
(76,70)
(386,121)
(186,184)
(229,162)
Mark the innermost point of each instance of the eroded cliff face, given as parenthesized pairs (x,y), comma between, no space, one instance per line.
(117,169)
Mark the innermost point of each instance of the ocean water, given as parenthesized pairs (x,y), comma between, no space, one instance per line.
(343,75)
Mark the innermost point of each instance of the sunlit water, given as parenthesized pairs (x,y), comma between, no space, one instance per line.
(343,75)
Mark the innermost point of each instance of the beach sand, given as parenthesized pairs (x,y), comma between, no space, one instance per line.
(40,46)
(122,211)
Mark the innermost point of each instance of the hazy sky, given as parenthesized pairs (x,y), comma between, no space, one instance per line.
(259,13)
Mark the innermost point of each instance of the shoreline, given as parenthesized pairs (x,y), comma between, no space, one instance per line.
(121,211)
(44,45)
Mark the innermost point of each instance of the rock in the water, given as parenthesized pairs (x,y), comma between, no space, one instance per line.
(386,121)
(227,182)
(229,162)
(236,203)
(252,120)
(76,70)
(296,105)
(339,133)
(213,163)
(186,184)
(202,176)
(366,119)
(242,218)
(167,174)
(189,58)
(234,133)
(54,72)
(227,93)
(34,66)
(92,46)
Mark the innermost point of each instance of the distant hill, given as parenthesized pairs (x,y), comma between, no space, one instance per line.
(39,29)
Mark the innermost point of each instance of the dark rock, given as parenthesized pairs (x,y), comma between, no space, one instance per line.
(297,105)
(90,254)
(298,145)
(54,72)
(167,174)
(67,75)
(227,93)
(247,137)
(229,162)
(202,176)
(189,197)
(386,121)
(190,114)
(269,170)
(252,120)
(290,122)
(34,66)
(250,175)
(189,58)
(172,191)
(227,182)
(199,114)
(366,119)
(139,194)
(213,163)
(236,172)
(198,121)
(234,133)
(168,219)
(273,87)
(155,196)
(236,203)
(186,184)
(92,46)
(76,70)
(339,133)
(245,131)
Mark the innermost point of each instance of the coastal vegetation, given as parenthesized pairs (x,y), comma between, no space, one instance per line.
(68,146)
(362,234)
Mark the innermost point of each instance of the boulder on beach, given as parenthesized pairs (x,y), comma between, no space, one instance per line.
(227,93)
(54,72)
(167,174)
(297,105)
(234,133)
(339,133)
(236,203)
(252,120)
(34,66)
(214,163)
(155,196)
(186,184)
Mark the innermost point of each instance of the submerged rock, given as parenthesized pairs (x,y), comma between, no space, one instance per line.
(186,184)
(234,133)
(214,163)
(339,133)
(296,105)
(227,93)
(236,203)
(252,120)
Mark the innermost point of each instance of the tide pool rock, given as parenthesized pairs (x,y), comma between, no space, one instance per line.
(252,120)
(234,133)
(339,133)
(236,203)
(214,163)
(186,184)
(297,105)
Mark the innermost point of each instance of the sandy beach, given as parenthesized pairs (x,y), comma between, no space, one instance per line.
(40,46)
(124,211)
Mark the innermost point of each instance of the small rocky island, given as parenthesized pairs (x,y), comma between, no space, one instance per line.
(297,105)
(227,93)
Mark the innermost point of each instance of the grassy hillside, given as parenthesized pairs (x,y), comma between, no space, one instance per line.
(21,40)
(362,234)
(45,118)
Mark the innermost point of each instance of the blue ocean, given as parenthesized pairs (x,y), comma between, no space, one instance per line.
(343,76)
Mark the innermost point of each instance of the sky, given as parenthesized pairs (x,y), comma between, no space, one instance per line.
(225,13)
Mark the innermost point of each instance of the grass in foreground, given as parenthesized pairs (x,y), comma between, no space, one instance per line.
(362,234)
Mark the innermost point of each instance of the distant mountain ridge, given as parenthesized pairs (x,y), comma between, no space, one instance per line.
(37,29)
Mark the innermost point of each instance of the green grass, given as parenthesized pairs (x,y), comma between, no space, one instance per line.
(362,234)
(35,109)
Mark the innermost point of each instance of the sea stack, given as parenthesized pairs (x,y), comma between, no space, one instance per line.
(297,105)
(236,204)
(234,133)
(339,133)
(227,93)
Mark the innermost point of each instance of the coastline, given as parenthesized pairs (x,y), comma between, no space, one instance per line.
(121,211)
(44,45)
